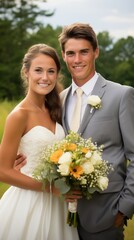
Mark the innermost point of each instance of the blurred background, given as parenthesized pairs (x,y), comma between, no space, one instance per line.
(23,23)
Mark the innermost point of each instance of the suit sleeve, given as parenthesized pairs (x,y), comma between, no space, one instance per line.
(126,119)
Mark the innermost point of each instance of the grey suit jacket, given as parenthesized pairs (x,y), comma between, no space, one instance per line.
(113,126)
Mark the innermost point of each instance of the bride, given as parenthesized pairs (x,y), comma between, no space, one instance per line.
(27,210)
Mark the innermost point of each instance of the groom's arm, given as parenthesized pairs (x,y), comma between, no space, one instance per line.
(126,119)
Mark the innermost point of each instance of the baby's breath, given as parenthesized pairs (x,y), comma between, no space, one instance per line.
(49,170)
(74,163)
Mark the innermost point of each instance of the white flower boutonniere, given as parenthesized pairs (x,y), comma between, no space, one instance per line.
(94,101)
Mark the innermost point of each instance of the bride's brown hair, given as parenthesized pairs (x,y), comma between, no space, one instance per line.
(52,100)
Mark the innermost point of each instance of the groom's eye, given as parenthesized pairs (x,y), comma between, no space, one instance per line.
(70,53)
(84,51)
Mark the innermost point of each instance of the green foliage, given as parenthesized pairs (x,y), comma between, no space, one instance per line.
(5,108)
(21,25)
(129,230)
(17,20)
(104,62)
(116,60)
(123,53)
(3,188)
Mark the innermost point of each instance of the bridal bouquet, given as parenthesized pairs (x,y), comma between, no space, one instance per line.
(74,163)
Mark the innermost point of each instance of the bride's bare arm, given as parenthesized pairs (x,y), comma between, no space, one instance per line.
(14,129)
(20,161)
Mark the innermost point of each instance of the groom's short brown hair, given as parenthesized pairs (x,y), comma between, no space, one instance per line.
(78,31)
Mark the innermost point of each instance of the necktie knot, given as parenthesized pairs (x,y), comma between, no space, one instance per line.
(79,92)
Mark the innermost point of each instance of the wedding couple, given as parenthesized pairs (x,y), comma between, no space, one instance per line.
(27,211)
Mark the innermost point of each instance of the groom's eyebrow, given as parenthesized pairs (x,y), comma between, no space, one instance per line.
(84,50)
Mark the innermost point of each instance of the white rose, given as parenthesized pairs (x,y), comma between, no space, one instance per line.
(103,183)
(88,154)
(96,159)
(64,169)
(65,158)
(94,100)
(88,167)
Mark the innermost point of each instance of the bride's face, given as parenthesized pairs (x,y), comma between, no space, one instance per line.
(42,74)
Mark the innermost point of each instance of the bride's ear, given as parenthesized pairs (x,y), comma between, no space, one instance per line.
(26,74)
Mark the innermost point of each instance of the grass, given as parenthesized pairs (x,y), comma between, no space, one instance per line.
(129,230)
(5,108)
(3,188)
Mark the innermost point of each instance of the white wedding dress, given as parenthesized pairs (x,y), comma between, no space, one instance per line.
(31,215)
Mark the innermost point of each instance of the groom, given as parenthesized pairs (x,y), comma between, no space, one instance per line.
(112,125)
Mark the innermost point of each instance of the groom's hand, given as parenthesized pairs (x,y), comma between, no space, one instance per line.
(73,195)
(19,162)
(119,220)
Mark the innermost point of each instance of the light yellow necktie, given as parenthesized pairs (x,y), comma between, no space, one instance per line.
(74,126)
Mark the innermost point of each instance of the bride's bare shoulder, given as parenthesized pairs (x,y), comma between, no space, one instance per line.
(20,112)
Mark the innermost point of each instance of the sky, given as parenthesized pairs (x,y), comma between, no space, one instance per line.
(114,16)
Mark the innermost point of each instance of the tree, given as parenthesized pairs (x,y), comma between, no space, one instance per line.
(20,28)
(116,60)
(105,60)
(17,19)
(123,55)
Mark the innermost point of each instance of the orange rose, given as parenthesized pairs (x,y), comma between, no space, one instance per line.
(84,150)
(70,146)
(56,155)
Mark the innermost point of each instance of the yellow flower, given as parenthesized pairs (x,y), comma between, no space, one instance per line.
(84,150)
(76,171)
(56,155)
(70,146)
(75,162)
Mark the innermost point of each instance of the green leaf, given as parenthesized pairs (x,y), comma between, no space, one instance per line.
(62,186)
(92,190)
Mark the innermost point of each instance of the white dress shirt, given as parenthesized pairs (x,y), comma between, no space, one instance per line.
(87,90)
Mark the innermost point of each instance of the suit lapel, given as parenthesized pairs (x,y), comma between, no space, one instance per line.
(98,90)
(64,100)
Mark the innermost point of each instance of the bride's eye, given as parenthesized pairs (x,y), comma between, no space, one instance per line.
(38,70)
(51,71)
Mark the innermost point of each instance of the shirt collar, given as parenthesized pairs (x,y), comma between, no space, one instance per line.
(88,86)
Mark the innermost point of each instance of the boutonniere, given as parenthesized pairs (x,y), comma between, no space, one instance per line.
(94,101)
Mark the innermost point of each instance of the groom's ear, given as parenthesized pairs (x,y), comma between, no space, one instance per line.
(63,56)
(97,53)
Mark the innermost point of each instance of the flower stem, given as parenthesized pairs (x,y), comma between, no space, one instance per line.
(72,219)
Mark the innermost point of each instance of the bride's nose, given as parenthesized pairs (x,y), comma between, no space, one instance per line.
(44,75)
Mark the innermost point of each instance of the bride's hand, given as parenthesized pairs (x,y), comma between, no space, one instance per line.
(56,191)
(19,162)
(51,189)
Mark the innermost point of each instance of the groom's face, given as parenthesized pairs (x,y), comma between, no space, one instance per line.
(80,59)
